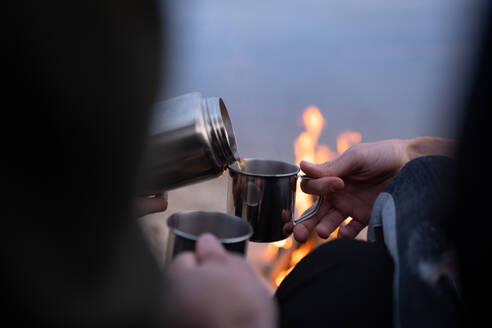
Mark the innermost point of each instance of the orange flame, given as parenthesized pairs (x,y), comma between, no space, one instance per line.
(296,255)
(313,121)
(324,154)
(306,148)
(347,139)
(281,276)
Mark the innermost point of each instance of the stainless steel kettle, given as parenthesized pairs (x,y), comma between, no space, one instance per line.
(191,139)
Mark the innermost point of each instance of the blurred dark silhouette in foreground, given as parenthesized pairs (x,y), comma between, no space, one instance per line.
(81,78)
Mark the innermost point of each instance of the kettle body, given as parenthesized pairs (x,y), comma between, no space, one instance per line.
(191,139)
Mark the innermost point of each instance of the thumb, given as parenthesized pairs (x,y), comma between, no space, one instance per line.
(313,170)
(209,248)
(337,167)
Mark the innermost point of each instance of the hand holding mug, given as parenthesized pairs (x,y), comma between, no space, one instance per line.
(215,288)
(350,184)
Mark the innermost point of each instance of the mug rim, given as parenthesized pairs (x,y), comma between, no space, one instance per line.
(265,175)
(193,237)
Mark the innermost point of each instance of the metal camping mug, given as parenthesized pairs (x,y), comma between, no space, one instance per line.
(186,227)
(191,139)
(263,193)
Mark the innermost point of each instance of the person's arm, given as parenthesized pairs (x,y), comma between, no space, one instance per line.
(424,146)
(351,182)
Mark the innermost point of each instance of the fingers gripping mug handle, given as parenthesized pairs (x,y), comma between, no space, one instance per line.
(312,211)
(309,213)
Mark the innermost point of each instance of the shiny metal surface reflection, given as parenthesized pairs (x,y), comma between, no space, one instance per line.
(191,139)
(264,194)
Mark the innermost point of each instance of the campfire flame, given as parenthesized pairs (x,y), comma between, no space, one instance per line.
(306,148)
(347,139)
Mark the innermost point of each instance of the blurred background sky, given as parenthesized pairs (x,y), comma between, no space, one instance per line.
(385,68)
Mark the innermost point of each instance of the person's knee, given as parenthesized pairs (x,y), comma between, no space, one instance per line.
(347,279)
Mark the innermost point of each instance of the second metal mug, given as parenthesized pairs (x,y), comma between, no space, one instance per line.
(186,227)
(263,193)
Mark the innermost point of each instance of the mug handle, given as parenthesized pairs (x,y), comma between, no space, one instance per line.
(313,210)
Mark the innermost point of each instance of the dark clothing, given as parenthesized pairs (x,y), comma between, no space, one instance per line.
(411,217)
(404,277)
(343,283)
(472,224)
